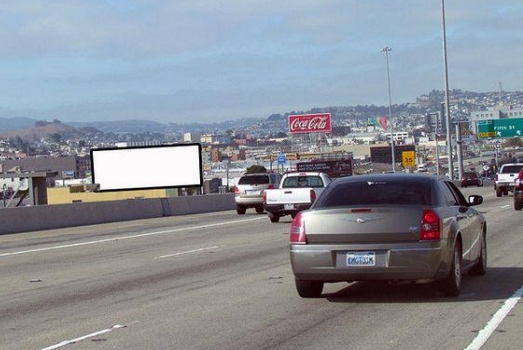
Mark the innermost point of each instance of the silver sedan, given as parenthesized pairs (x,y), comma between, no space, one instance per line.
(392,227)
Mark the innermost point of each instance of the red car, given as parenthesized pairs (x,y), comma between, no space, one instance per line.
(518,191)
(471,178)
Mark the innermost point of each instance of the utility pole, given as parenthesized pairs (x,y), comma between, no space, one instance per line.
(386,50)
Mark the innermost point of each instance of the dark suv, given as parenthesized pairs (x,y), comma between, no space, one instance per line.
(518,191)
(248,193)
(471,178)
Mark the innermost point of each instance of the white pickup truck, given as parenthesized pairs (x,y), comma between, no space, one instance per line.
(297,191)
(505,178)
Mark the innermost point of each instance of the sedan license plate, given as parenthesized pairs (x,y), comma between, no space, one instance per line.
(288,206)
(361,259)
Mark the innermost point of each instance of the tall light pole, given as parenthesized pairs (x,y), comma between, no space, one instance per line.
(386,50)
(447,105)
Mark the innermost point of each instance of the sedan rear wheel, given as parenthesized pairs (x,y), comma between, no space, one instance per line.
(452,284)
(309,289)
(481,266)
(517,204)
(499,192)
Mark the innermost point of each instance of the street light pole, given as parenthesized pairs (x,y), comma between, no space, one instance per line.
(386,50)
(447,105)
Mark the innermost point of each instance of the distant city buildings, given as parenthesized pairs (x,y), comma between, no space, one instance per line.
(494,113)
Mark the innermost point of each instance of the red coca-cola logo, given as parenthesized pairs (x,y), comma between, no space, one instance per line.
(306,123)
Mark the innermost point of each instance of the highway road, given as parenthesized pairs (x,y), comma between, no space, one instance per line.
(223,281)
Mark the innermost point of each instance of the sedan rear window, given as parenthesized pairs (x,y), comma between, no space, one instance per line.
(470,175)
(377,193)
(254,180)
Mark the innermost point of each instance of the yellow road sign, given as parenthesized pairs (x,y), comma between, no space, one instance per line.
(408,159)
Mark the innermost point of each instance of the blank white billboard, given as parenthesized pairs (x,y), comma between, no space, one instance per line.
(148,167)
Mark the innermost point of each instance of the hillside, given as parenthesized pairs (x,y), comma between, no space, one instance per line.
(43,131)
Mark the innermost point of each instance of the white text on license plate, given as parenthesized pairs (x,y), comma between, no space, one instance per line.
(361,259)
(288,206)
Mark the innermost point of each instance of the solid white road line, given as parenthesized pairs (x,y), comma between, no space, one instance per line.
(72,341)
(128,237)
(495,321)
(187,252)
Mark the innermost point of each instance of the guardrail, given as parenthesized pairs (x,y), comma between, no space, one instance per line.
(45,217)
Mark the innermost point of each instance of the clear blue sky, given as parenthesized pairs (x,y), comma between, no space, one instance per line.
(202,61)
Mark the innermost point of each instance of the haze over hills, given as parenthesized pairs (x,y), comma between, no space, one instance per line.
(40,129)
(462,103)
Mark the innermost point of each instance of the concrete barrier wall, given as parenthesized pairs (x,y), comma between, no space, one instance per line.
(44,217)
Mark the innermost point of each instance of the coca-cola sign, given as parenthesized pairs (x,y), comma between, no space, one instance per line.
(308,123)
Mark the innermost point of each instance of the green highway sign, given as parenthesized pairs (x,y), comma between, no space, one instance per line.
(500,128)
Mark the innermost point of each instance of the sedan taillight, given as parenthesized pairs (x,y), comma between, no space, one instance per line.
(430,226)
(236,190)
(519,182)
(297,232)
(313,196)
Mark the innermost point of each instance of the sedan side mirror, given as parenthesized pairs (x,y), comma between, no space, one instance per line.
(475,200)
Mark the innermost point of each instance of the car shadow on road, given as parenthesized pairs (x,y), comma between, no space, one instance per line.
(498,283)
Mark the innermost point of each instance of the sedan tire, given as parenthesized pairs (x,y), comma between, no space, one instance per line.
(452,284)
(309,289)
(481,267)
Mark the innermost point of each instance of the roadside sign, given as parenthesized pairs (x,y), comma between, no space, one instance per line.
(310,123)
(500,128)
(408,159)
(282,158)
(332,167)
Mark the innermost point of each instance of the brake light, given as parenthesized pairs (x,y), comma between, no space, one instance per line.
(313,196)
(430,226)
(236,190)
(297,233)
(271,186)
(519,185)
(264,197)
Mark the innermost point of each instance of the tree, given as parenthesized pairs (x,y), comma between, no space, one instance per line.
(513,142)
(56,138)
(256,169)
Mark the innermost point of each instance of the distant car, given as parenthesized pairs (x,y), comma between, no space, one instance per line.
(505,178)
(394,227)
(471,178)
(518,191)
(248,193)
(296,191)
